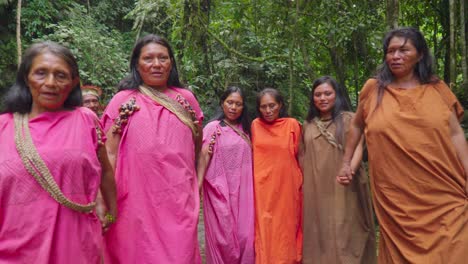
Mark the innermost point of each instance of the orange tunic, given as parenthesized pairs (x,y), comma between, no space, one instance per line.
(278,191)
(416,177)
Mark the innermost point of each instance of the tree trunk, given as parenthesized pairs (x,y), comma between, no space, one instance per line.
(393,10)
(452,45)
(463,43)
(291,63)
(18,32)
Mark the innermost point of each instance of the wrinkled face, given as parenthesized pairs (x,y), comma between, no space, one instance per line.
(154,65)
(50,82)
(92,102)
(232,107)
(401,57)
(324,99)
(269,108)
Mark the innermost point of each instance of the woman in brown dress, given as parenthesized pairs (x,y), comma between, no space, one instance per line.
(338,221)
(418,156)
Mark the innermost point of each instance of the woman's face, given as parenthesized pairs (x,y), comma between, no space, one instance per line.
(401,57)
(269,108)
(92,102)
(50,82)
(232,107)
(324,99)
(154,65)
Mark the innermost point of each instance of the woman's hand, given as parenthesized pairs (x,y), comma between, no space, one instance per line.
(101,212)
(345,175)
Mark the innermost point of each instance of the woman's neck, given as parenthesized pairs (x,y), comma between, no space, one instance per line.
(326,117)
(161,89)
(232,123)
(406,82)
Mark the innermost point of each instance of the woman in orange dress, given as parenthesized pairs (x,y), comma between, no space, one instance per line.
(418,156)
(277,182)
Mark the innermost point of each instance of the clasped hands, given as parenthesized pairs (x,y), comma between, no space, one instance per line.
(345,175)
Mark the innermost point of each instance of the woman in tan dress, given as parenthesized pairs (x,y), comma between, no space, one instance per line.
(338,221)
(418,156)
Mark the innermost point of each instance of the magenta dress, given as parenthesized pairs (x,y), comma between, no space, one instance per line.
(34,228)
(156,181)
(228,202)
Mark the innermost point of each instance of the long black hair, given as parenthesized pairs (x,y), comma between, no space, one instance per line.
(424,69)
(278,98)
(341,105)
(133,80)
(19,99)
(244,118)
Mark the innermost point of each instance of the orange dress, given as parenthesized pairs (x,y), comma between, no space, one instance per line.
(278,191)
(417,180)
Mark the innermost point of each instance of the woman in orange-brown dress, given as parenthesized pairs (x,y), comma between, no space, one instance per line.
(418,156)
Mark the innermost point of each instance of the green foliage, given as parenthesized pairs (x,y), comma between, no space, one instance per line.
(250,44)
(7,63)
(37,15)
(99,51)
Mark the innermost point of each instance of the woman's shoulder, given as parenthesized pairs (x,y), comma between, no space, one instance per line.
(347,114)
(292,120)
(369,86)
(5,119)
(186,93)
(448,97)
(84,111)
(211,125)
(123,95)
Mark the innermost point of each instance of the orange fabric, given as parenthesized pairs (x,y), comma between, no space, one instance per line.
(278,191)
(417,179)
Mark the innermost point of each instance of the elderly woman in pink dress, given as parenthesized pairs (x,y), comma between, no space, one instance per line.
(153,130)
(225,172)
(52,164)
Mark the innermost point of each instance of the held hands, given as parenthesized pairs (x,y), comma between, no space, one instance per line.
(345,175)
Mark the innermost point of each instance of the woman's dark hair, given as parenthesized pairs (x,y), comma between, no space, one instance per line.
(19,98)
(341,105)
(244,118)
(278,98)
(424,69)
(133,80)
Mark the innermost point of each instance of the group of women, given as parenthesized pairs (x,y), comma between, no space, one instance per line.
(272,190)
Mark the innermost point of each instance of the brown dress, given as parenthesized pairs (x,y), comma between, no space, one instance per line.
(338,221)
(417,180)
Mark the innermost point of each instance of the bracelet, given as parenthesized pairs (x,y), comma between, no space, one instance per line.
(110,218)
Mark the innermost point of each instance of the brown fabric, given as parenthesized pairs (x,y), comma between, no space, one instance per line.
(416,177)
(338,221)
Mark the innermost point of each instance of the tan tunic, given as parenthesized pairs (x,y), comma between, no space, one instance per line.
(338,221)
(416,177)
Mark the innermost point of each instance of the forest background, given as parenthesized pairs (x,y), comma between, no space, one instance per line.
(253,44)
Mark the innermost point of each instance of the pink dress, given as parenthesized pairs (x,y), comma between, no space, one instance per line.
(156,181)
(34,228)
(228,201)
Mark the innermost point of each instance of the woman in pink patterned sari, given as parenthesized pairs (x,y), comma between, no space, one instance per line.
(152,141)
(52,163)
(225,172)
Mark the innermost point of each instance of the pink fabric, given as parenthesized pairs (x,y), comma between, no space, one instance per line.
(156,183)
(228,202)
(34,228)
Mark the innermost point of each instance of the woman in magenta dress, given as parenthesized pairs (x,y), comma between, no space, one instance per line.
(225,172)
(52,163)
(152,142)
